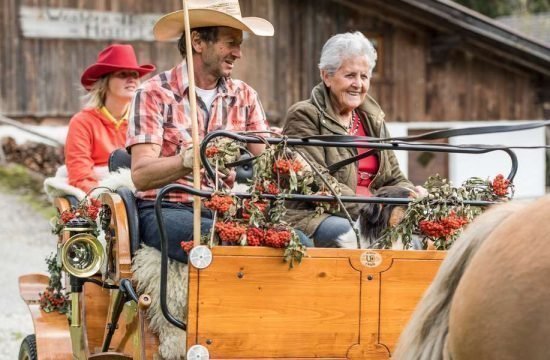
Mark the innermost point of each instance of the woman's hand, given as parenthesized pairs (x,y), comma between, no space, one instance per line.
(421,191)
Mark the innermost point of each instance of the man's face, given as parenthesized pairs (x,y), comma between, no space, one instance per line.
(219,57)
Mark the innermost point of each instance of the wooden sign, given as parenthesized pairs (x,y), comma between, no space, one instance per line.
(70,23)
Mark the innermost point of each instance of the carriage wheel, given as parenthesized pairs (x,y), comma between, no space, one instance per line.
(27,351)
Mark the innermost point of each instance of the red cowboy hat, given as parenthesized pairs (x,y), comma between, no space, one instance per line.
(113,58)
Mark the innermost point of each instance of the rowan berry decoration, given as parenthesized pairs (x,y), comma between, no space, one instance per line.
(54,298)
(500,185)
(230,232)
(440,216)
(187,246)
(284,166)
(255,237)
(88,209)
(221,152)
(258,221)
(442,228)
(221,203)
(212,151)
(256,208)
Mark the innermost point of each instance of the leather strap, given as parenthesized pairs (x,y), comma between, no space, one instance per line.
(438,134)
(334,167)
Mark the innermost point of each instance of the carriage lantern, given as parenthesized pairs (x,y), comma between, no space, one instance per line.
(82,255)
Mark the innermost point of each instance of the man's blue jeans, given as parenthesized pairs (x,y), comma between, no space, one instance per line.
(178,221)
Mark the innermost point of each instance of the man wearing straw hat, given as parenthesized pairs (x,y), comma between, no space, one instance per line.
(159,131)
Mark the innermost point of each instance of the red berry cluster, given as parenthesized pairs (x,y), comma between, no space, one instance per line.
(95,202)
(283,166)
(66,216)
(212,151)
(255,236)
(500,185)
(277,238)
(187,246)
(219,203)
(443,228)
(92,211)
(250,206)
(271,188)
(230,232)
(52,298)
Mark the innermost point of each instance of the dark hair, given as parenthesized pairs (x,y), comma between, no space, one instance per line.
(208,34)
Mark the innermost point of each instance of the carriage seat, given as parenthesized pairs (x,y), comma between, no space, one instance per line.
(117,160)
(73,201)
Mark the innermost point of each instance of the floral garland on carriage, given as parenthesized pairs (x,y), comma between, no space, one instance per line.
(86,213)
(437,218)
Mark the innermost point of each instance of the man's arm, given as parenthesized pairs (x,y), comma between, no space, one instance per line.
(257,122)
(151,172)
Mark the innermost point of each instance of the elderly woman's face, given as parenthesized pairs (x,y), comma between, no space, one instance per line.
(349,84)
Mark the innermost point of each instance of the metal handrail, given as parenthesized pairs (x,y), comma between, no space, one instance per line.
(296,197)
(392,145)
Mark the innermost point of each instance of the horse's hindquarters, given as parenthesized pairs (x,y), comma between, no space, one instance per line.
(501,306)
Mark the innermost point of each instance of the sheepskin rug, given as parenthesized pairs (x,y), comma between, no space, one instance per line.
(146,274)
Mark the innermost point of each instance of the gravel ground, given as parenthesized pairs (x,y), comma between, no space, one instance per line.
(25,241)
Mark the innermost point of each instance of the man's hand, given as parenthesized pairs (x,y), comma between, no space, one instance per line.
(149,171)
(228,179)
(187,157)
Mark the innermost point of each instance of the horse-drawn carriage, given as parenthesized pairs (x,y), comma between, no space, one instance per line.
(234,301)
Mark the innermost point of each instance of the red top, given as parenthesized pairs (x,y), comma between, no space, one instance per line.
(90,140)
(367,168)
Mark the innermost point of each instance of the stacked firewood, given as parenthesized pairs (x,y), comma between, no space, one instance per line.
(39,157)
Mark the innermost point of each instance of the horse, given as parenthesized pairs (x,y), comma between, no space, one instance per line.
(489,299)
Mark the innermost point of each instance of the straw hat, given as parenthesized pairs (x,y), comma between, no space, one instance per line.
(203,13)
(113,58)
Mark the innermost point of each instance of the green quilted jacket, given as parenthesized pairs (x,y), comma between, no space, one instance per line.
(316,117)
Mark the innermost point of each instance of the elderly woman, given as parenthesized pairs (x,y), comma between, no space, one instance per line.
(340,105)
(101,126)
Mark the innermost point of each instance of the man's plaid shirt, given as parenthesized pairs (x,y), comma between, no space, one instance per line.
(160,111)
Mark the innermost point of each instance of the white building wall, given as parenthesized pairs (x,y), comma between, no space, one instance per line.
(530,178)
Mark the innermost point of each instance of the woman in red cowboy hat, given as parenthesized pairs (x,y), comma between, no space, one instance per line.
(101,126)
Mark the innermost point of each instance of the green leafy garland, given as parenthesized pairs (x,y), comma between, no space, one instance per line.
(257,221)
(440,216)
(87,209)
(54,297)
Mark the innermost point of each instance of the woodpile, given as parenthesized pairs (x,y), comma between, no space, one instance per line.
(39,157)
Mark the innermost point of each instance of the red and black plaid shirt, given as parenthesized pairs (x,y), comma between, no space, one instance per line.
(160,114)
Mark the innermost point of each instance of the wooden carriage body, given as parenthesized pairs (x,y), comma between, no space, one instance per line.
(336,304)
(248,304)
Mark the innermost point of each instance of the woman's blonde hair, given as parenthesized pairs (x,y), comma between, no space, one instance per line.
(95,98)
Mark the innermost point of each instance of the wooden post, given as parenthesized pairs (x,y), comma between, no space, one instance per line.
(194,128)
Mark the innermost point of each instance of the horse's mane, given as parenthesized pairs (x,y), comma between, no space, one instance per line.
(425,335)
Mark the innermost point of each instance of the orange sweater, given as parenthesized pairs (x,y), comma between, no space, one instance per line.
(90,140)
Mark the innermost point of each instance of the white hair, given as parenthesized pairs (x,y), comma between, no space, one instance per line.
(344,46)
